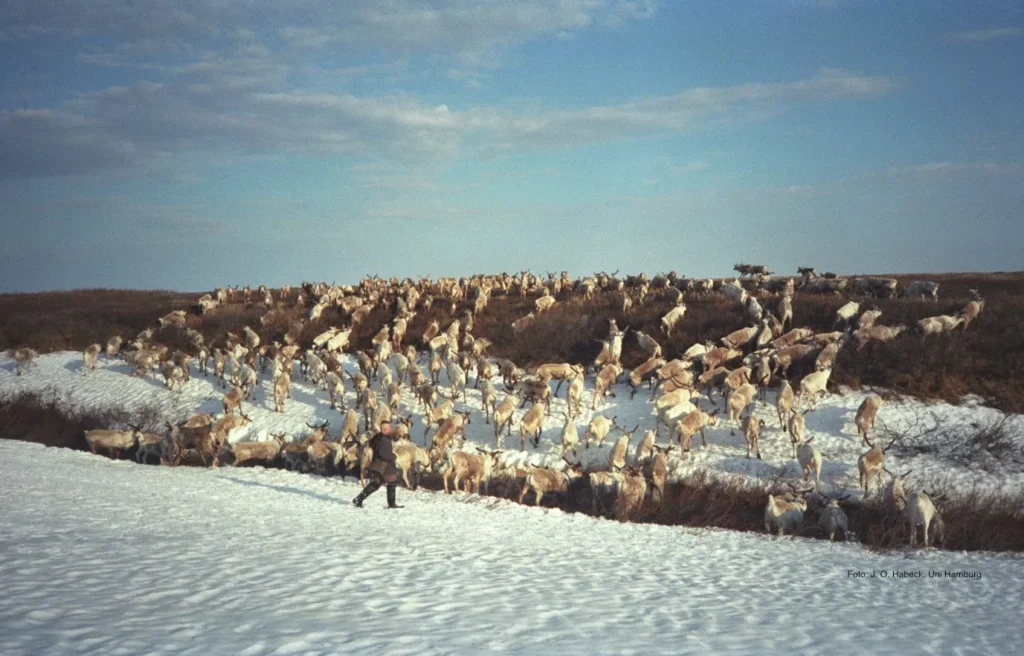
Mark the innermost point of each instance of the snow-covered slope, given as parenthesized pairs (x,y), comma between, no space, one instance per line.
(830,424)
(106,557)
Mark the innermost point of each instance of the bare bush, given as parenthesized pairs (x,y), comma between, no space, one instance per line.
(52,418)
(987,444)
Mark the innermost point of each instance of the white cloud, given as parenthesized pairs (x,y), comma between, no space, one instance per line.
(988,35)
(240,106)
(460,37)
(622,12)
(222,80)
(939,168)
(686,110)
(454,25)
(468,76)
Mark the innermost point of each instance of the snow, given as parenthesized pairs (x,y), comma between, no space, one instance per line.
(101,556)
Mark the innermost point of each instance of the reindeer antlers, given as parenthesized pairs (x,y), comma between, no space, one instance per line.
(796,491)
(623,428)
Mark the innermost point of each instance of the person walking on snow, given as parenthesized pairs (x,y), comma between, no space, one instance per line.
(382,468)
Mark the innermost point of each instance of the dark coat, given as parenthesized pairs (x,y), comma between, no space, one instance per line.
(383,463)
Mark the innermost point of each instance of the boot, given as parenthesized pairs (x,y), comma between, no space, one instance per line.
(367,491)
(391,497)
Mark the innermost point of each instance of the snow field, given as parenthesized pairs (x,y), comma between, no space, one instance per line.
(102,556)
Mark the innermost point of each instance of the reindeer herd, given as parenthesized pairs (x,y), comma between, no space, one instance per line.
(739,369)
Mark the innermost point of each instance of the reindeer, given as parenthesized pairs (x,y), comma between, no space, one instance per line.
(870,463)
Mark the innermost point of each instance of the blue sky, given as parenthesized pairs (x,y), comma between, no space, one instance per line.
(197,143)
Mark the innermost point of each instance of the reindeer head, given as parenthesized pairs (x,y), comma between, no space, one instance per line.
(490,458)
(799,495)
(319,429)
(900,477)
(628,433)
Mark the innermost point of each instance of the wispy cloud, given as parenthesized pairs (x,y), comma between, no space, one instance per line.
(244,109)
(456,25)
(464,35)
(941,168)
(468,76)
(687,110)
(988,35)
(220,80)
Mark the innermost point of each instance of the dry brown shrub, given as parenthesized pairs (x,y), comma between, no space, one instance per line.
(51,418)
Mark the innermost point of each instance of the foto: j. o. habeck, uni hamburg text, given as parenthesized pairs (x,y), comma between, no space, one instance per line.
(913,574)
